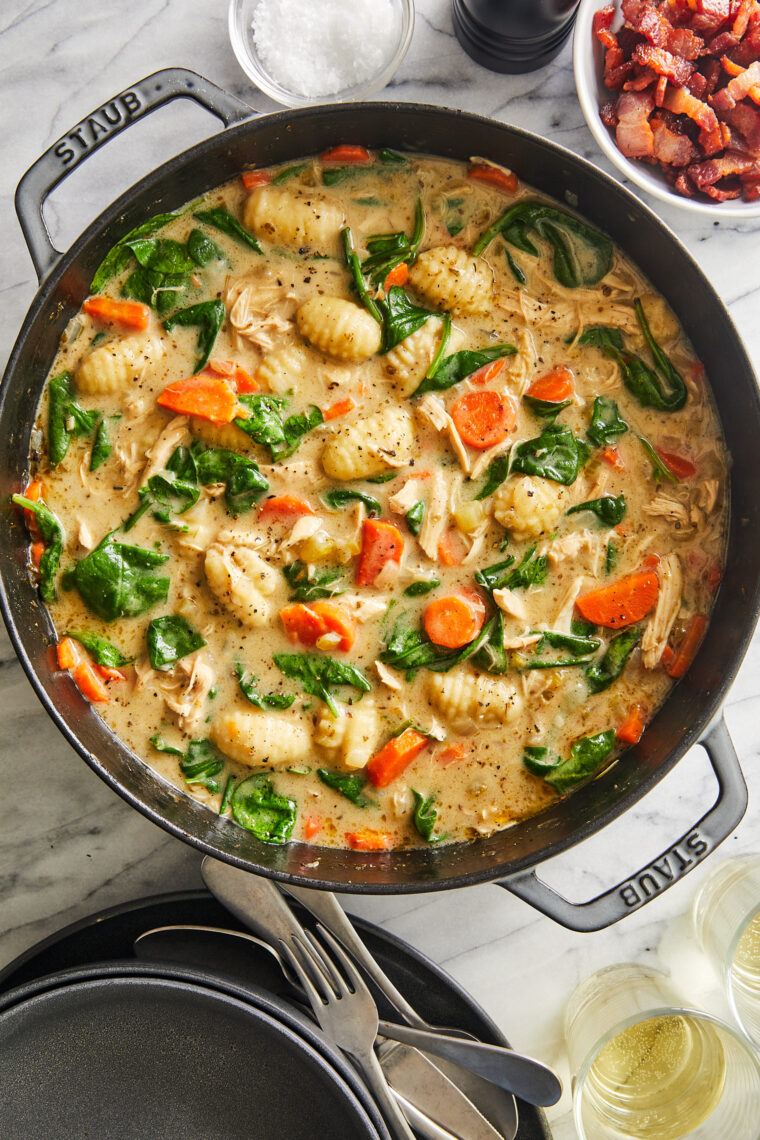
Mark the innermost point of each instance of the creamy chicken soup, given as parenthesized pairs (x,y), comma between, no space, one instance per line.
(379,501)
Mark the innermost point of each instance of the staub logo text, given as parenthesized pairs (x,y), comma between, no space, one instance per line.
(101,122)
(665,870)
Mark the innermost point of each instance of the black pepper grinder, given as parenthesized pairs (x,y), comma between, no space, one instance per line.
(513,35)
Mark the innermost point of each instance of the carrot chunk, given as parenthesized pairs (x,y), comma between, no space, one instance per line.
(451,548)
(453,755)
(311,827)
(88,682)
(337,619)
(494,176)
(348,154)
(681,467)
(455,620)
(714,576)
(302,624)
(554,386)
(253,178)
(487,372)
(238,376)
(368,840)
(484,419)
(70,653)
(395,757)
(632,727)
(342,408)
(382,543)
(131,314)
(34,492)
(687,650)
(209,397)
(109,674)
(397,276)
(611,455)
(621,603)
(285,507)
(36,551)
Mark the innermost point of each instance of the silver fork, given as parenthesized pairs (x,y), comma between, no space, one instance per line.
(346,1011)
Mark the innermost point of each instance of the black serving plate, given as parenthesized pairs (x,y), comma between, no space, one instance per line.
(109,937)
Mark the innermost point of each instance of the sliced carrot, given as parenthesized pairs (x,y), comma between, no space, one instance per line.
(632,727)
(131,314)
(368,840)
(621,603)
(285,507)
(687,650)
(453,755)
(348,154)
(337,619)
(650,562)
(242,380)
(667,657)
(397,276)
(681,467)
(484,419)
(253,178)
(34,493)
(451,548)
(342,408)
(88,682)
(395,757)
(382,542)
(312,826)
(554,386)
(302,624)
(70,653)
(455,620)
(209,397)
(714,577)
(487,372)
(109,674)
(494,176)
(36,551)
(611,455)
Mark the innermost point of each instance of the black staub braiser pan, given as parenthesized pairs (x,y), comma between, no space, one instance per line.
(691,712)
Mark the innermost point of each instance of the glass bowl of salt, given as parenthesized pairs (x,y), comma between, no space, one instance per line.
(305,52)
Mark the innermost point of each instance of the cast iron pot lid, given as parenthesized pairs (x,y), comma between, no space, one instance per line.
(121,1052)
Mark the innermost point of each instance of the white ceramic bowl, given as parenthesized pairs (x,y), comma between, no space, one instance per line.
(588,65)
(240,19)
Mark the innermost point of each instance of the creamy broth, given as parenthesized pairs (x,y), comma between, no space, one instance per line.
(470,726)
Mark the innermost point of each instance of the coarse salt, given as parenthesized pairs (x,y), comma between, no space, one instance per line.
(322,47)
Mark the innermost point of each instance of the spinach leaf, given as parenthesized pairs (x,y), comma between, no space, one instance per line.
(222,220)
(65,417)
(492,656)
(208,317)
(202,249)
(162,255)
(460,365)
(599,336)
(334,175)
(289,172)
(243,482)
(341,497)
(676,396)
(531,571)
(514,268)
(169,639)
(555,454)
(101,447)
(579,647)
(119,256)
(261,700)
(384,478)
(318,675)
(266,426)
(52,532)
(411,649)
(419,589)
(160,745)
(537,760)
(116,580)
(202,764)
(259,808)
(610,509)
(495,577)
(610,561)
(496,473)
(229,788)
(182,463)
(659,469)
(546,408)
(391,157)
(606,423)
(582,628)
(400,316)
(586,757)
(311,583)
(386,251)
(102,652)
(425,816)
(351,786)
(641,381)
(357,277)
(602,673)
(582,255)
(296,427)
(414,516)
(160,291)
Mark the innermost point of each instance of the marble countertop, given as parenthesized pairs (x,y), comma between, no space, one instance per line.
(68,845)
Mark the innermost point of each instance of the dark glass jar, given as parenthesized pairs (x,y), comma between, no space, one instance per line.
(513,35)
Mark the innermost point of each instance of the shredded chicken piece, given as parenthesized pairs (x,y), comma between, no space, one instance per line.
(303,528)
(129,460)
(487,457)
(707,495)
(433,411)
(567,603)
(524,641)
(200,524)
(388,576)
(511,603)
(403,500)
(401,802)
(520,368)
(256,311)
(436,515)
(363,608)
(85,537)
(662,506)
(185,690)
(412,573)
(175,434)
(582,546)
(477,542)
(389,677)
(658,627)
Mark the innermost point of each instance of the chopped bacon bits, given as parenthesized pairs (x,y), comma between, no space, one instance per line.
(687,74)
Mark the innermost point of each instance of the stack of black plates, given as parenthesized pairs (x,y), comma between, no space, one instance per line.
(97,1044)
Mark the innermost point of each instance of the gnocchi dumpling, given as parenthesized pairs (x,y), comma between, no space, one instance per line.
(254,738)
(408,362)
(241,579)
(528,507)
(463,695)
(114,366)
(227,436)
(353,734)
(339,328)
(371,446)
(451,278)
(279,216)
(284,369)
